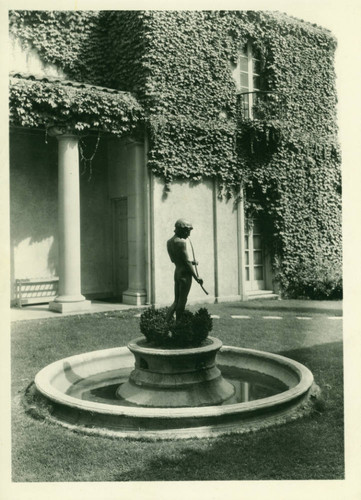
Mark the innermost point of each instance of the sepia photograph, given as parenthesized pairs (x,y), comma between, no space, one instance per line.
(176,250)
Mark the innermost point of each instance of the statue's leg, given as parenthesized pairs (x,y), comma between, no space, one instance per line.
(185,284)
(172,308)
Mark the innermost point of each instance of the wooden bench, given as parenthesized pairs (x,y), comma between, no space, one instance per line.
(35,290)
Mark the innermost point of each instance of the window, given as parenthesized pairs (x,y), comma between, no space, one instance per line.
(250,79)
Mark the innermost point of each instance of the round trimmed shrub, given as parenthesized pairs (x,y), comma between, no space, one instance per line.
(202,325)
(182,330)
(154,326)
(190,330)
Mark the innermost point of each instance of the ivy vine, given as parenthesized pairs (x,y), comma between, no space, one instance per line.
(44,104)
(179,65)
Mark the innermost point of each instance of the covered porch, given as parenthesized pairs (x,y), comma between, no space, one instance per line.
(65,225)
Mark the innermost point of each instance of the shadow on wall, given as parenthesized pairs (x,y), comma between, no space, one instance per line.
(96,218)
(33,204)
(34,211)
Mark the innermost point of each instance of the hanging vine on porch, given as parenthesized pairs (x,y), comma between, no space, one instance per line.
(87,162)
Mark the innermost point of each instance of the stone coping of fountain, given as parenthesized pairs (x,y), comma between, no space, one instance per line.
(140,344)
(55,379)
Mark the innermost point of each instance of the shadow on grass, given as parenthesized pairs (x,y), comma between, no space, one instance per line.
(310,448)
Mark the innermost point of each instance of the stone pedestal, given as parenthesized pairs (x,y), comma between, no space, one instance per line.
(171,378)
(70,297)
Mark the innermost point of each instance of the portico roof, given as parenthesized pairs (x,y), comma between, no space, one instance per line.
(60,81)
(39,101)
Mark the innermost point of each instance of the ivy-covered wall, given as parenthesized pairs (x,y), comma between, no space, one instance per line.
(73,40)
(179,64)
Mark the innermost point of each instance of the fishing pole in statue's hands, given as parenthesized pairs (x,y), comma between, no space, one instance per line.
(196,267)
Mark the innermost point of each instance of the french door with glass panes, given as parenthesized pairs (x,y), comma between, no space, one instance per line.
(254,256)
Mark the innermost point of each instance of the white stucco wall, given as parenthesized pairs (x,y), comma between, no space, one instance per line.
(33,206)
(216,248)
(227,250)
(194,203)
(26,60)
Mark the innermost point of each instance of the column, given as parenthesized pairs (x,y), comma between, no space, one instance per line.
(70,297)
(241,257)
(136,293)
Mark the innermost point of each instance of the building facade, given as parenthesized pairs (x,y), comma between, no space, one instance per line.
(124,122)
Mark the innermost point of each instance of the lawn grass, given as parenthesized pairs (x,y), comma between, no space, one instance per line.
(310,448)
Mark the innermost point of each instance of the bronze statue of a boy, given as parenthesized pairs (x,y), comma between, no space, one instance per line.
(177,250)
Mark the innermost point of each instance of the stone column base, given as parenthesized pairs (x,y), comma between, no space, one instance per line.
(66,307)
(134,298)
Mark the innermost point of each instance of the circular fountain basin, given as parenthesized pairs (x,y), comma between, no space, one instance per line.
(80,393)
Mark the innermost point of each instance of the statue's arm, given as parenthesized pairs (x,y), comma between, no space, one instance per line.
(182,247)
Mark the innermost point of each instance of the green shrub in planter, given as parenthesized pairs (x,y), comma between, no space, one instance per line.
(189,331)
(202,324)
(182,330)
(154,326)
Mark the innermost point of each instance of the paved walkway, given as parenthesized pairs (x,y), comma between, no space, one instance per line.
(304,306)
(272,309)
(42,311)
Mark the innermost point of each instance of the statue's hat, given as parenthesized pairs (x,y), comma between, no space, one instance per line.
(182,223)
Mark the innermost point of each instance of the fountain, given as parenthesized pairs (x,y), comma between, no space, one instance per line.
(80,392)
(165,391)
